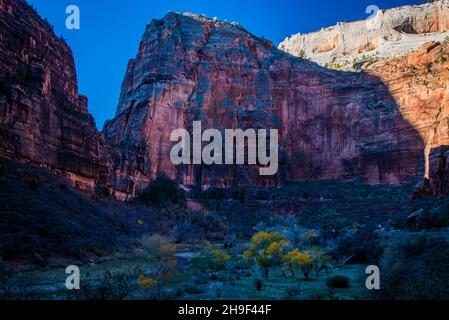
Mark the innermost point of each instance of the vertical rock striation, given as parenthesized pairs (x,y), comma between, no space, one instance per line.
(43,119)
(332,125)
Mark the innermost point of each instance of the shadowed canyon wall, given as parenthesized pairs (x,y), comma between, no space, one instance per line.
(43,119)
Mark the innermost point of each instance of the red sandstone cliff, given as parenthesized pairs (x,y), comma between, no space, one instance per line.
(43,119)
(333,125)
(407,49)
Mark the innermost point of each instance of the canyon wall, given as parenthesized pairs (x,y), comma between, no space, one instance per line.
(332,125)
(43,119)
(439,170)
(407,49)
(377,125)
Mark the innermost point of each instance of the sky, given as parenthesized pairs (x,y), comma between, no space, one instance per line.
(110,31)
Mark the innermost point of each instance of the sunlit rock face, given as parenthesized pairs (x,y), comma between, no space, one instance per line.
(363,44)
(43,119)
(332,125)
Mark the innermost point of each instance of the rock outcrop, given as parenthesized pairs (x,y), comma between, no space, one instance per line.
(363,44)
(332,125)
(439,170)
(43,119)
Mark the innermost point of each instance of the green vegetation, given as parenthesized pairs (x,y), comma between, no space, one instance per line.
(415,267)
(337,282)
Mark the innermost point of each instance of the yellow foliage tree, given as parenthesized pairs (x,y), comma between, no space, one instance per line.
(146,282)
(267,250)
(161,253)
(297,260)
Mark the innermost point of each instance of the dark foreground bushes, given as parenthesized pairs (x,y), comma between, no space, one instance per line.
(110,286)
(362,246)
(338,282)
(415,266)
(162,192)
(14,285)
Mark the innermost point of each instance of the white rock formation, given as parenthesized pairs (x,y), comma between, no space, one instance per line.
(359,45)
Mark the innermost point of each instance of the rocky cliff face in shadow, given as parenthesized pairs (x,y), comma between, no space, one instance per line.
(43,119)
(333,125)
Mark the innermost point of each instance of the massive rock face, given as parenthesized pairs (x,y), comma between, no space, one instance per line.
(332,124)
(43,119)
(411,57)
(419,84)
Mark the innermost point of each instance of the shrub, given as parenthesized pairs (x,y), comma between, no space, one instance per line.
(193,289)
(338,282)
(363,246)
(415,267)
(162,192)
(111,286)
(291,293)
(219,258)
(213,277)
(14,286)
